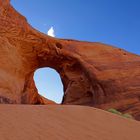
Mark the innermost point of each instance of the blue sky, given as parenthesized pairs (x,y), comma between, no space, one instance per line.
(114,22)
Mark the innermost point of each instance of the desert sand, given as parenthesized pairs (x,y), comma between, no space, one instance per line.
(64,122)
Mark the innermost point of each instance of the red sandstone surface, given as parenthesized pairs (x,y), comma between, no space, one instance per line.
(93,74)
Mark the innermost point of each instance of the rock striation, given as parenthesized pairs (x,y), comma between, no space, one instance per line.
(93,74)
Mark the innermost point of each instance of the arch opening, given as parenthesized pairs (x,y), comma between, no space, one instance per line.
(49,85)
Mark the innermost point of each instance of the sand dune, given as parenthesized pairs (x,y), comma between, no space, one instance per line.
(55,122)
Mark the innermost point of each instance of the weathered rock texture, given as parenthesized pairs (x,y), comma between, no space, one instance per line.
(93,74)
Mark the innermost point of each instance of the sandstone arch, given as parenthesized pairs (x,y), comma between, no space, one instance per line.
(93,74)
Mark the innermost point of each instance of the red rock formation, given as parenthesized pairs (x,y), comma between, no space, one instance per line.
(93,74)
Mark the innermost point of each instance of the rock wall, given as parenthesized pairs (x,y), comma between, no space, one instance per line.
(93,74)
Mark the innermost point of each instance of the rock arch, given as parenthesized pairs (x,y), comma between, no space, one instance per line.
(93,74)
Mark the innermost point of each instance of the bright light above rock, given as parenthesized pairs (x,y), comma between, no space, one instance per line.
(51,32)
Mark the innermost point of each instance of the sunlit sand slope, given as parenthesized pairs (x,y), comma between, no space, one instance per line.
(56,122)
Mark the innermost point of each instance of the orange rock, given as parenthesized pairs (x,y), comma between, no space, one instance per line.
(93,74)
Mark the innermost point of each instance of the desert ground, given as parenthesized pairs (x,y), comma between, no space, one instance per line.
(64,122)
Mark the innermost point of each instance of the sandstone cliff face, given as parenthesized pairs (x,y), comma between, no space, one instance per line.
(93,74)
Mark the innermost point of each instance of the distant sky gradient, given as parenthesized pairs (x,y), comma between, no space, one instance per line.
(114,22)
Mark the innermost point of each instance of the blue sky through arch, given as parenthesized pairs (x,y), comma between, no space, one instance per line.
(49,84)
